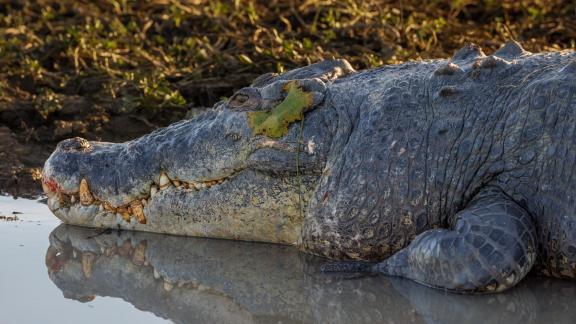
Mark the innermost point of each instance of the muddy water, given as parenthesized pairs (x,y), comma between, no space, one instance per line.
(57,273)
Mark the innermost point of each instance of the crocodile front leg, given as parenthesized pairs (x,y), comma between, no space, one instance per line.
(491,247)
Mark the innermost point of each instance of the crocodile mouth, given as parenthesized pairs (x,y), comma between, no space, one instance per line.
(131,211)
(180,186)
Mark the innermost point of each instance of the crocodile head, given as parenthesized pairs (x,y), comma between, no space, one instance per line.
(217,175)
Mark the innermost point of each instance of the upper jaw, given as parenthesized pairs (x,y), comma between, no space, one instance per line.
(81,204)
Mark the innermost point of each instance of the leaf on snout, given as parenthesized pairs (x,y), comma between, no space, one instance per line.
(275,123)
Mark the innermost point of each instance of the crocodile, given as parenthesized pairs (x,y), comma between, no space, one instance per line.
(455,173)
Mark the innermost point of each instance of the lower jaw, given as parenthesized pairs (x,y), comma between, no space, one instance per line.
(212,213)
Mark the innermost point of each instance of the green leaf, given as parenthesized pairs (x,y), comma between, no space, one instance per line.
(245,59)
(275,123)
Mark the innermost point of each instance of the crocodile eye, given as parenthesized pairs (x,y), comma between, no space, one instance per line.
(245,99)
(239,99)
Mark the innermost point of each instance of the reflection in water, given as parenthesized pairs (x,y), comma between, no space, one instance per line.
(193,280)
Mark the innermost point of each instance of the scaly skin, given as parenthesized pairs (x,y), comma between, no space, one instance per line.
(457,173)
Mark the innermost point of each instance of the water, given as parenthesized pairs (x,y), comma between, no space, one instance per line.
(56,273)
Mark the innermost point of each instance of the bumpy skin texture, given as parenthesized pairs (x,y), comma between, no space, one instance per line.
(492,246)
(459,169)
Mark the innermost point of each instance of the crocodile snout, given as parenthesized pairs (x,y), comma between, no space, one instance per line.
(69,147)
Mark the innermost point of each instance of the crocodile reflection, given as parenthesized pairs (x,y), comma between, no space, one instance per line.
(194,280)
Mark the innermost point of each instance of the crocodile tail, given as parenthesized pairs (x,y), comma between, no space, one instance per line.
(348,266)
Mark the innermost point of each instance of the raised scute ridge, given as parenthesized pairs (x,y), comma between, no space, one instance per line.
(469,51)
(511,49)
(490,62)
(448,69)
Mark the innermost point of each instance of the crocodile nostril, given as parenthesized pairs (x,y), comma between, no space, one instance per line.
(74,144)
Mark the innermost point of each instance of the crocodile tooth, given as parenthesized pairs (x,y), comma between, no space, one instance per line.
(510,279)
(72,199)
(86,197)
(109,207)
(492,287)
(47,189)
(138,211)
(168,286)
(124,213)
(153,191)
(101,208)
(164,181)
(156,274)
(125,249)
(138,256)
(110,251)
(87,263)
(54,203)
(176,183)
(194,185)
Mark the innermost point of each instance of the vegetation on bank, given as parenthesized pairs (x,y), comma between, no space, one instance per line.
(155,56)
